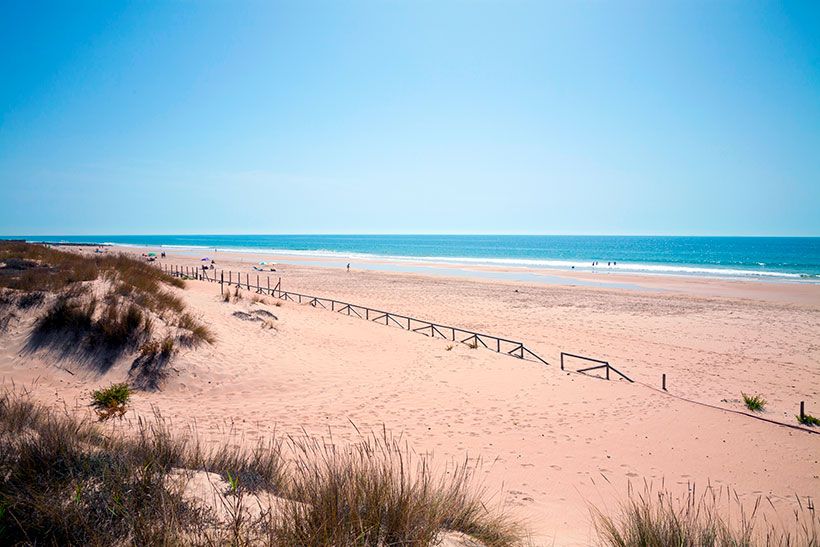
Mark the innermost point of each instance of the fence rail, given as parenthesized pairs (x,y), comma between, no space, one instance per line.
(428,328)
(602,365)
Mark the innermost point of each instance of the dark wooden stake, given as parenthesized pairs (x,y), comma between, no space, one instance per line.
(663,381)
(802,411)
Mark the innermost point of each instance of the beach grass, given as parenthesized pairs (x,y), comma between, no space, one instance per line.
(755,403)
(715,518)
(808,419)
(127,484)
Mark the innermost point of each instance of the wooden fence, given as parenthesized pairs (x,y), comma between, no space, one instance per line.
(601,365)
(421,326)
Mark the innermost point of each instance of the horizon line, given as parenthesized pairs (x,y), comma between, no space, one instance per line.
(314,234)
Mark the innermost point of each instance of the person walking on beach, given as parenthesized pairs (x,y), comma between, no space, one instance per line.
(348,267)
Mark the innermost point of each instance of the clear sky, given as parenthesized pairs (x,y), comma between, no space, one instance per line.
(382,117)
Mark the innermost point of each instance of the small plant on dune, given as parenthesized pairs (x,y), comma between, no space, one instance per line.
(809,420)
(449,347)
(111,401)
(237,294)
(755,403)
(226,296)
(233,482)
(258,299)
(473,345)
(278,303)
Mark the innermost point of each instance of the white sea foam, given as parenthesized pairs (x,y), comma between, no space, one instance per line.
(577,265)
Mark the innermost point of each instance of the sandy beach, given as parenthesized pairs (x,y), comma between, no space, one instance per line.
(550,442)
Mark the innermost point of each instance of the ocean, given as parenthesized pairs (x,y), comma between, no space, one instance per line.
(783,258)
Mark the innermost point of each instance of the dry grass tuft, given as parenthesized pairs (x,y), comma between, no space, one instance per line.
(385,498)
(199,333)
(658,519)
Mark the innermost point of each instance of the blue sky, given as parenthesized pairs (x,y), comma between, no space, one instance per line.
(389,117)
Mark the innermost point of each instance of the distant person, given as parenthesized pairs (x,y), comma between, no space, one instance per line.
(608,264)
(348,267)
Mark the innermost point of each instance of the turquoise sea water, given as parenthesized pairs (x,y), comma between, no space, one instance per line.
(785,258)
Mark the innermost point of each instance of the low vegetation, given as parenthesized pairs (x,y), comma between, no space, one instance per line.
(658,519)
(98,307)
(111,401)
(755,403)
(62,481)
(808,419)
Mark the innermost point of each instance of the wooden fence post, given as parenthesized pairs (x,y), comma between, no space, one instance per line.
(802,411)
(663,381)
(221,282)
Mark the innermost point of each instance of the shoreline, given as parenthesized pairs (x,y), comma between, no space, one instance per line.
(572,267)
(793,292)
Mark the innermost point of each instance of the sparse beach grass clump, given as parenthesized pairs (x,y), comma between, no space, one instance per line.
(755,403)
(809,420)
(198,332)
(65,480)
(659,519)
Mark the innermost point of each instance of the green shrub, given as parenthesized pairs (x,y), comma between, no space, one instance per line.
(809,420)
(755,403)
(111,401)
